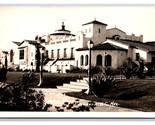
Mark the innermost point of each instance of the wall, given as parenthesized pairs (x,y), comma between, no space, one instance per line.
(62,65)
(111,32)
(78,58)
(143,54)
(116,55)
(14,47)
(71,43)
(122,58)
(114,31)
(29,56)
(93,32)
(149,57)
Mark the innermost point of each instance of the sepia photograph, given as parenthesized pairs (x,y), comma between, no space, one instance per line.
(57,60)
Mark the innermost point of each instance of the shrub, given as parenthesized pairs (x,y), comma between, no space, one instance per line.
(133,69)
(20,97)
(97,70)
(101,84)
(77,70)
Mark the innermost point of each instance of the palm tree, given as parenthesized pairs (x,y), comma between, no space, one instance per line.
(37,56)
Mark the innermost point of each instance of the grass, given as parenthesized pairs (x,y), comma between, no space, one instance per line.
(134,94)
(137,94)
(50,80)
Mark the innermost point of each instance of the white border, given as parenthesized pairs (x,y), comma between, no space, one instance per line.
(71,115)
(78,115)
(79,2)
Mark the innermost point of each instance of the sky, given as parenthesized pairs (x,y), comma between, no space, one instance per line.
(25,22)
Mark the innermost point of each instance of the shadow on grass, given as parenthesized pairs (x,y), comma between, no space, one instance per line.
(133,94)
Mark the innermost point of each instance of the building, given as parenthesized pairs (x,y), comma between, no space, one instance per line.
(64,50)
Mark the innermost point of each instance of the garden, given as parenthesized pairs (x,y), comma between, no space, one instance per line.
(136,92)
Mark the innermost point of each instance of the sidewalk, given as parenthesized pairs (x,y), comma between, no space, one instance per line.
(56,98)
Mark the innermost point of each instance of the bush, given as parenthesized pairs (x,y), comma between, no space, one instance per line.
(76,70)
(20,97)
(97,70)
(101,84)
(133,69)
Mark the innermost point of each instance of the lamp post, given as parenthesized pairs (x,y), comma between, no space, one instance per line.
(41,68)
(90,46)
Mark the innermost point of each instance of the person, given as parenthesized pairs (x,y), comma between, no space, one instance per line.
(3,72)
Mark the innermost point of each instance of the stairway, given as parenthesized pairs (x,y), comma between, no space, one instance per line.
(74,86)
(78,85)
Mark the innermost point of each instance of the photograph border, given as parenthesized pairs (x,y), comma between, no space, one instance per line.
(74,115)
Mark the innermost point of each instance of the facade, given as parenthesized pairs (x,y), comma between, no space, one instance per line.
(64,50)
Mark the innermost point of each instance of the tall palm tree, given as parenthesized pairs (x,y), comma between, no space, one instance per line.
(37,56)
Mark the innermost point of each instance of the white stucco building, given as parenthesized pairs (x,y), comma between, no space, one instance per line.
(64,50)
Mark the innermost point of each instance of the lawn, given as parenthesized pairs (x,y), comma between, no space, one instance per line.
(134,94)
(50,80)
(137,94)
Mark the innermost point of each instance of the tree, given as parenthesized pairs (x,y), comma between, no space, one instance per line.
(21,96)
(37,57)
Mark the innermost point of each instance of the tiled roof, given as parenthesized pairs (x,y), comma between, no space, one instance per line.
(33,42)
(136,44)
(95,22)
(104,46)
(17,43)
(62,34)
(65,59)
(116,29)
(63,30)
(60,59)
(151,43)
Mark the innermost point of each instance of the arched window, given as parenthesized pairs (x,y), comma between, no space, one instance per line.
(108,60)
(99,60)
(11,55)
(81,60)
(86,60)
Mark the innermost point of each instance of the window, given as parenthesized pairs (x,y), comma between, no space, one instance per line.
(58,53)
(79,37)
(46,53)
(72,52)
(99,60)
(65,54)
(89,29)
(99,30)
(81,60)
(86,60)
(52,53)
(21,54)
(85,30)
(108,60)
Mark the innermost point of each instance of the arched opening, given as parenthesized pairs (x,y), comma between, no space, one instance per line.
(99,60)
(86,60)
(11,55)
(81,60)
(116,37)
(108,60)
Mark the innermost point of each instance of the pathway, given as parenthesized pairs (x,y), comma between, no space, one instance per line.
(56,98)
